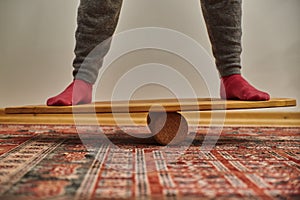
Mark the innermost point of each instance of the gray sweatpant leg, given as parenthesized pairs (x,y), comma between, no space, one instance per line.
(223,22)
(96,22)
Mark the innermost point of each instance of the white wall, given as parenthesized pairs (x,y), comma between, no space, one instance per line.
(37,42)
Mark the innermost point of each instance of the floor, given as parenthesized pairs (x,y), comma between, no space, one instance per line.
(40,161)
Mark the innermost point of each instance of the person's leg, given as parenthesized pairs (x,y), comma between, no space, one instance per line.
(223,22)
(96,23)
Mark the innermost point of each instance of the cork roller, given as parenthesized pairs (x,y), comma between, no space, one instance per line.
(168,128)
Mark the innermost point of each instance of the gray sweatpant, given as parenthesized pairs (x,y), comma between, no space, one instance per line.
(97,20)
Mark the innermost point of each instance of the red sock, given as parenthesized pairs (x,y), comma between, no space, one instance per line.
(236,87)
(78,92)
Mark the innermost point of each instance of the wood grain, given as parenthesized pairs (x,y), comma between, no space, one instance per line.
(169,105)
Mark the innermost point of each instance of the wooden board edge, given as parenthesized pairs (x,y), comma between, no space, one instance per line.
(89,108)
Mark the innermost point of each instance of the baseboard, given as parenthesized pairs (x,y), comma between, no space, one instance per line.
(228,118)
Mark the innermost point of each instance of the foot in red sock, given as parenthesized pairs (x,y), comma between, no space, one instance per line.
(78,92)
(236,87)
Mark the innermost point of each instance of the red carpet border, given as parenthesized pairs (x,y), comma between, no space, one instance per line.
(53,162)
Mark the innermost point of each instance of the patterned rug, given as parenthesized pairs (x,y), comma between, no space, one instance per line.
(54,162)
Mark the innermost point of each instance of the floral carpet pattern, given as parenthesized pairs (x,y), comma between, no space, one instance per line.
(54,162)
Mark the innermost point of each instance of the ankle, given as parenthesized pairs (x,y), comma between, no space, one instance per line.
(82,82)
(232,76)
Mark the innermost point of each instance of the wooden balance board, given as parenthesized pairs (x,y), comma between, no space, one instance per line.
(164,120)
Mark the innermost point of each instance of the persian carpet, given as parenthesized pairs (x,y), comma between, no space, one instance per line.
(55,162)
